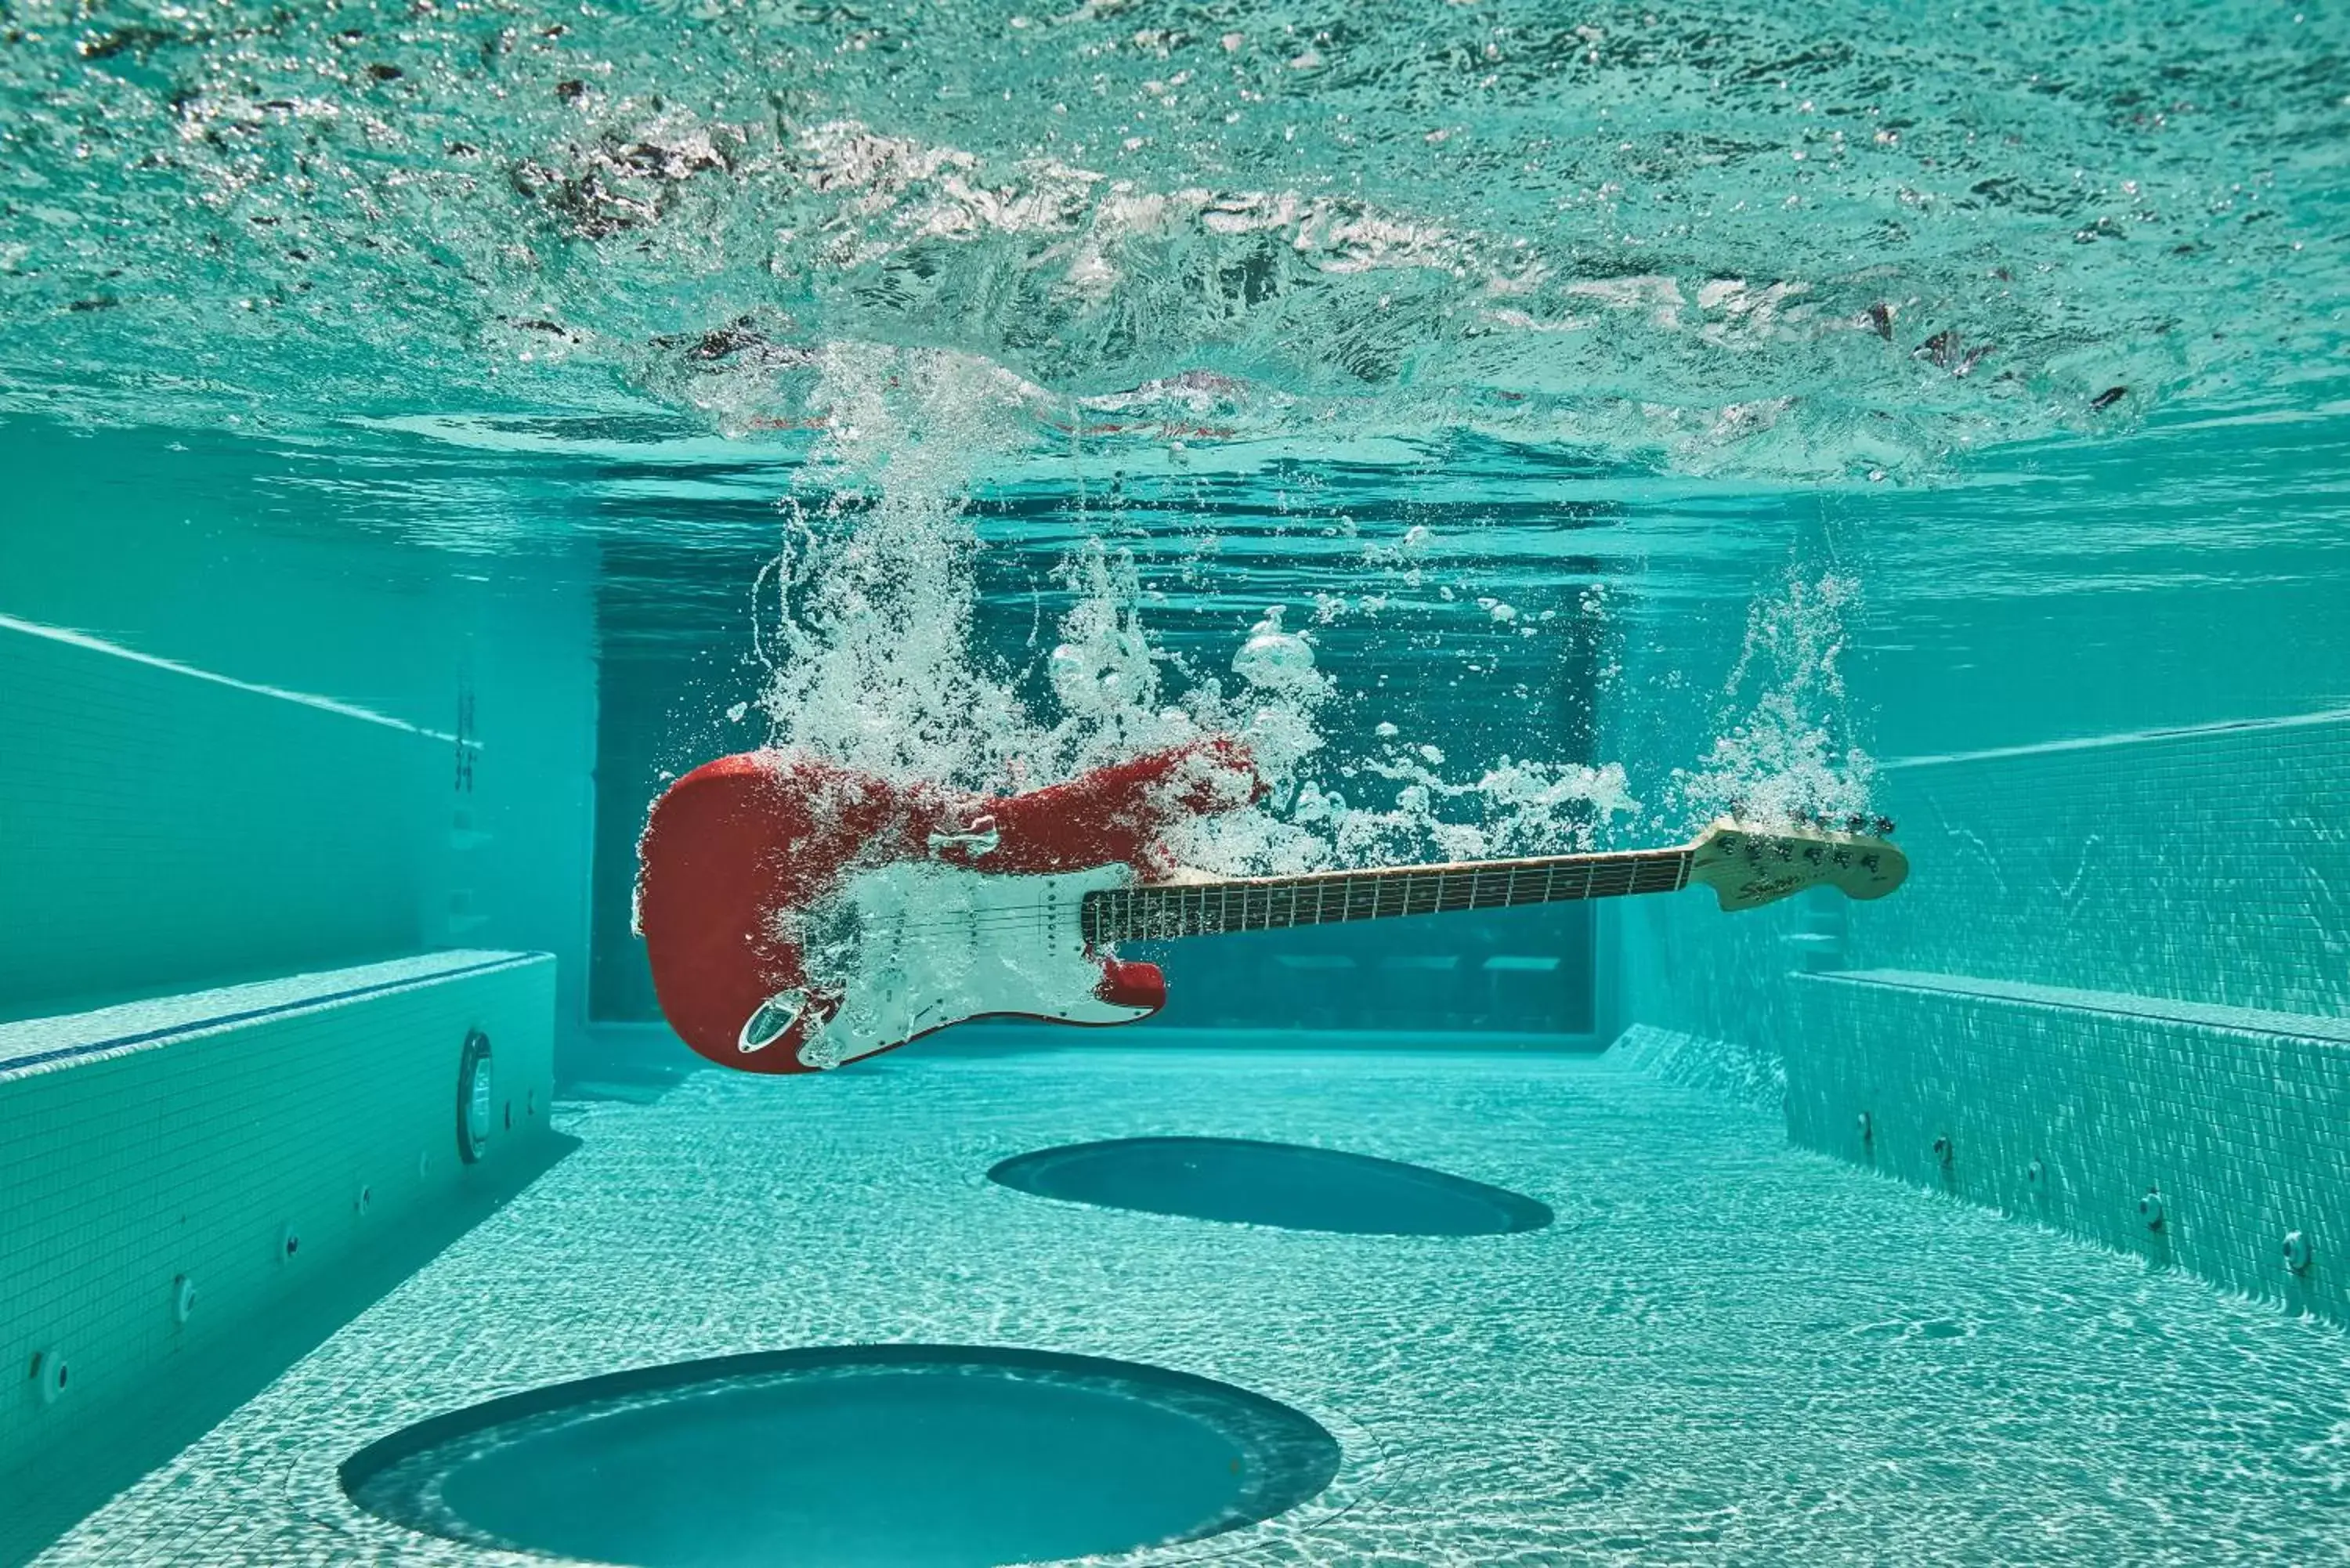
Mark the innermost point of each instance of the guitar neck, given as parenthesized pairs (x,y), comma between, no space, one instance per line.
(1160,911)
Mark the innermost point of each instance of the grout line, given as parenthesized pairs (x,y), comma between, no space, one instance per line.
(83,639)
(2127,738)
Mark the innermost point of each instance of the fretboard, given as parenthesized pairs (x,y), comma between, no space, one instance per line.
(1159,911)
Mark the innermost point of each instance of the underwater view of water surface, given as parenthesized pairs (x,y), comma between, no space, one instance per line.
(921,785)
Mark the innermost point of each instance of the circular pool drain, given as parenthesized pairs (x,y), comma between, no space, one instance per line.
(851,1457)
(1283,1184)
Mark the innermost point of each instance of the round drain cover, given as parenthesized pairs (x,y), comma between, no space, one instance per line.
(853,1456)
(1281,1184)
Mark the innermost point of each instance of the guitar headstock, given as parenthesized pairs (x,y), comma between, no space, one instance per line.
(1749,865)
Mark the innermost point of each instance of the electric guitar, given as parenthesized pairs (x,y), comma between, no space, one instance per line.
(799,916)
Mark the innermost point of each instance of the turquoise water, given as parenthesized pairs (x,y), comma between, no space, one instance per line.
(431,428)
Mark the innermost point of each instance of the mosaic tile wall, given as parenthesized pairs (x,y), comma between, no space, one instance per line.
(228,727)
(2211,1141)
(157,1197)
(165,831)
(2127,959)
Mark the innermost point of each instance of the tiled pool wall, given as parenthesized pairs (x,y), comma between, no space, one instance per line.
(179,832)
(230,703)
(254,734)
(2115,996)
(173,1170)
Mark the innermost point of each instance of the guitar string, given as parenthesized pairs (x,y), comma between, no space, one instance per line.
(1171,895)
(1022,913)
(1638,862)
(999,919)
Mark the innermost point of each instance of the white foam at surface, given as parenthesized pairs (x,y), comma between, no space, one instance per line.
(865,620)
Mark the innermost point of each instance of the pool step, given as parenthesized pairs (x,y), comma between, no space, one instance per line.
(2197,1135)
(196,1188)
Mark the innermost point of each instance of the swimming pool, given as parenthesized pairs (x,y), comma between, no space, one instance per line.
(1242,451)
(1721,1348)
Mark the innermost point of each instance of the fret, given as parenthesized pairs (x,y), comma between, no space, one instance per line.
(1156,913)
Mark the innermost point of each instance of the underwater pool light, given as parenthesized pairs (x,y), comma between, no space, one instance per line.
(475,1095)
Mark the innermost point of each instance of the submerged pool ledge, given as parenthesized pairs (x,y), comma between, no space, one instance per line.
(2199,1136)
(33,1044)
(2107,1003)
(195,1189)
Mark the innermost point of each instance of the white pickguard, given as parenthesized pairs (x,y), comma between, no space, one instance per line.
(914,947)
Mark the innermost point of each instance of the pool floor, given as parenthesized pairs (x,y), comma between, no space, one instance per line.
(1721,1350)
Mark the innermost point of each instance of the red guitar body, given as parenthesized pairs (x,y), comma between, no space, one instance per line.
(798,915)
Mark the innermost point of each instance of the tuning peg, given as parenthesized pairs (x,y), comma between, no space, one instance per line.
(1882,826)
(1854,823)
